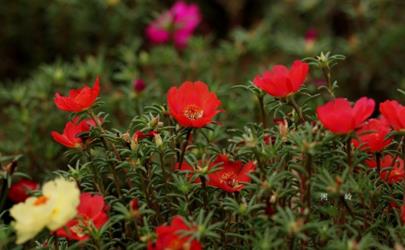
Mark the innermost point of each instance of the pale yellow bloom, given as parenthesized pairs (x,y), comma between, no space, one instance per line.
(57,205)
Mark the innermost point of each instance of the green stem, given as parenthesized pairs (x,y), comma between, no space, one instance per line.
(183,150)
(349,154)
(98,182)
(107,145)
(377,160)
(4,192)
(328,76)
(308,166)
(262,110)
(204,188)
(294,104)
(403,147)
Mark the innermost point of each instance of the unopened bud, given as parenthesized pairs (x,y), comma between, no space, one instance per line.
(154,122)
(282,128)
(10,168)
(134,145)
(296,226)
(134,208)
(126,137)
(143,57)
(158,140)
(139,86)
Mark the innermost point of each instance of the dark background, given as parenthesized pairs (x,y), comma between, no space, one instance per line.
(369,32)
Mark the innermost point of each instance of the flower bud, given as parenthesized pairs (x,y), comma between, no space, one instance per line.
(143,57)
(282,128)
(134,208)
(310,38)
(10,168)
(158,140)
(250,140)
(126,137)
(267,139)
(134,145)
(139,86)
(154,122)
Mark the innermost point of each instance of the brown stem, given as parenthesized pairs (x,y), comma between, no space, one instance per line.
(262,110)
(378,161)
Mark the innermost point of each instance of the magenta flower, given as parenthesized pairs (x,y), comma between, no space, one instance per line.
(139,86)
(176,24)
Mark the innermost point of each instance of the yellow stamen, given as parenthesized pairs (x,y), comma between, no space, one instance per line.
(193,112)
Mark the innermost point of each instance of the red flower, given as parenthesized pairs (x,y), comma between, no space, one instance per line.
(281,81)
(192,105)
(91,211)
(171,237)
(139,135)
(230,176)
(70,137)
(339,117)
(391,172)
(20,190)
(372,136)
(79,99)
(394,113)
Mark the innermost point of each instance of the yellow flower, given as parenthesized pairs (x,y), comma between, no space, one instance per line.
(57,205)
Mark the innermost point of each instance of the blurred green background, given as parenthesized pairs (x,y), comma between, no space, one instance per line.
(49,46)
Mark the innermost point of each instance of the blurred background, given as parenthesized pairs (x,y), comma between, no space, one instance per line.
(48,46)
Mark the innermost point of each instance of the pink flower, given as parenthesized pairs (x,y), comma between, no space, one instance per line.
(139,86)
(311,35)
(176,24)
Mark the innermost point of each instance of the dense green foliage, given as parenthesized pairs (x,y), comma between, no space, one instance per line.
(305,192)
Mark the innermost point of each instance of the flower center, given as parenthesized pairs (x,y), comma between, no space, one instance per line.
(40,200)
(193,112)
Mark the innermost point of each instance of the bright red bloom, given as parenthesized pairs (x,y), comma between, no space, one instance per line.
(281,81)
(230,176)
(171,237)
(139,135)
(341,118)
(91,211)
(391,172)
(372,136)
(70,137)
(20,190)
(79,99)
(394,113)
(192,105)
